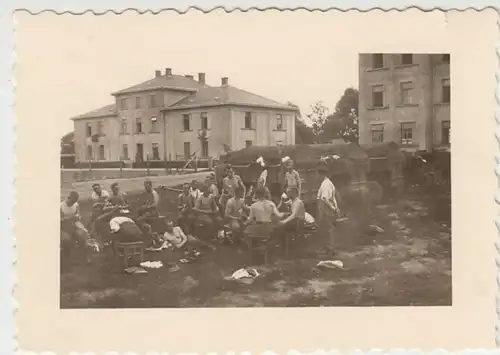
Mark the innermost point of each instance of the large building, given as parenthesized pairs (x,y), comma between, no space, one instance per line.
(174,117)
(405,98)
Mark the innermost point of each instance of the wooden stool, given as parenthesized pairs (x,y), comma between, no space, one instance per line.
(258,244)
(127,250)
(293,237)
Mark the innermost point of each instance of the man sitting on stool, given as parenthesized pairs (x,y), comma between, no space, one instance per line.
(235,213)
(297,215)
(260,221)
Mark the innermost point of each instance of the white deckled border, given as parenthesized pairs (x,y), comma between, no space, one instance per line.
(233,9)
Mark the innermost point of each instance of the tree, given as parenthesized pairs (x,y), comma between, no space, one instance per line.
(343,123)
(303,133)
(318,117)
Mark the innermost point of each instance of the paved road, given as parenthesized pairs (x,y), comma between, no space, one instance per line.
(84,188)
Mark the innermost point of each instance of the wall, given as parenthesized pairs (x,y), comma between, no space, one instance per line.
(226,125)
(425,74)
(264,131)
(110,131)
(146,113)
(218,131)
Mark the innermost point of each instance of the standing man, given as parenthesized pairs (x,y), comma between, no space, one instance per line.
(292,177)
(327,206)
(229,185)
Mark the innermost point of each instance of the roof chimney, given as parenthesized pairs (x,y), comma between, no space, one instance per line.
(189,76)
(201,78)
(157,73)
(168,71)
(224,81)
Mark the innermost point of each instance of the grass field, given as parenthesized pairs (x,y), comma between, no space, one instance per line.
(407,264)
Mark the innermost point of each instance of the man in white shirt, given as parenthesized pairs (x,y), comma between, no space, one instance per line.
(327,206)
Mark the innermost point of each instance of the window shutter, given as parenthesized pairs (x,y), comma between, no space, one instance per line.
(254,121)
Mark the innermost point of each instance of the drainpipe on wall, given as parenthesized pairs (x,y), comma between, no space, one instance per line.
(429,128)
(165,126)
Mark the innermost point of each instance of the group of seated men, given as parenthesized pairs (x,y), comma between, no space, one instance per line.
(202,212)
(245,214)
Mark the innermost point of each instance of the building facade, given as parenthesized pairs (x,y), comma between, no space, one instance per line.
(405,98)
(173,117)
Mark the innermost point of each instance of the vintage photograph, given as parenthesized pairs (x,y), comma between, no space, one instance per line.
(254,181)
(189,190)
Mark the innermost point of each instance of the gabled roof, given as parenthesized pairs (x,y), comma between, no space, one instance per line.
(105,111)
(226,95)
(171,82)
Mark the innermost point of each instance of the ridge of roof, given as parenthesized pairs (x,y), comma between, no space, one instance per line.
(226,95)
(172,82)
(104,111)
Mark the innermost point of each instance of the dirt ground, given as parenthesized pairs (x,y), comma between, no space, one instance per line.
(408,264)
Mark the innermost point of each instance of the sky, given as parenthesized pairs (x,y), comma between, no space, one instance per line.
(76,62)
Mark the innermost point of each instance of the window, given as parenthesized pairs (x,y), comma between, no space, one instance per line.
(187,150)
(445,132)
(186,122)
(125,152)
(377,133)
(154,125)
(248,120)
(152,100)
(407,133)
(89,152)
(406,93)
(138,125)
(406,59)
(204,149)
(156,152)
(88,128)
(204,120)
(279,143)
(445,58)
(378,96)
(100,128)
(101,152)
(279,122)
(248,144)
(123,104)
(123,126)
(137,102)
(446,91)
(377,61)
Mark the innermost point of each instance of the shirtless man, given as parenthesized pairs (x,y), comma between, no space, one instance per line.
(208,213)
(292,177)
(229,185)
(150,207)
(235,213)
(297,213)
(263,215)
(186,205)
(117,198)
(179,240)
